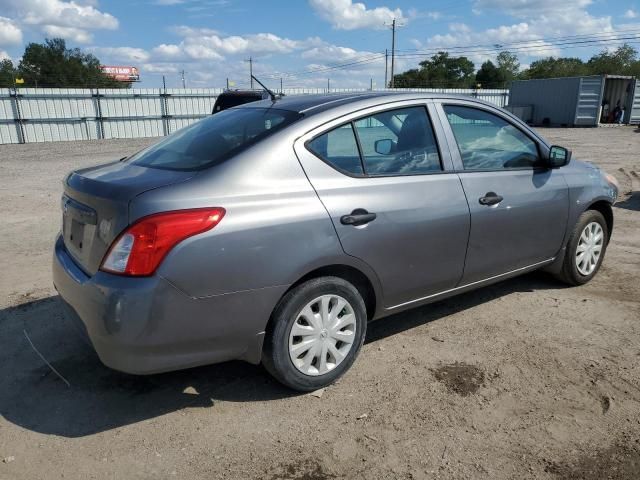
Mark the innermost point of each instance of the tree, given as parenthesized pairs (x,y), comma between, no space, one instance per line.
(52,64)
(508,65)
(490,76)
(439,71)
(555,67)
(7,73)
(619,62)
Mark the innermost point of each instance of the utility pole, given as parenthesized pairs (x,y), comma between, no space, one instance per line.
(328,85)
(394,25)
(227,83)
(183,83)
(250,60)
(386,69)
(393,49)
(281,89)
(164,83)
(371,84)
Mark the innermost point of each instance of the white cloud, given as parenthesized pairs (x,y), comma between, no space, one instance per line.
(527,8)
(10,33)
(630,14)
(4,55)
(168,52)
(206,44)
(75,34)
(67,19)
(537,20)
(346,15)
(121,55)
(162,68)
(61,13)
(333,54)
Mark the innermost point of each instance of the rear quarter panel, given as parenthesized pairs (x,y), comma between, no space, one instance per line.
(275,229)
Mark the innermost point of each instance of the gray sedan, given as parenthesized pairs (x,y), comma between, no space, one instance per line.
(274,232)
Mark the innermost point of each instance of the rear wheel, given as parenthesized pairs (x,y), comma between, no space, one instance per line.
(586,248)
(316,333)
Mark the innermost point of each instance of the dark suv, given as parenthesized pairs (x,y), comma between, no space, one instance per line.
(233,98)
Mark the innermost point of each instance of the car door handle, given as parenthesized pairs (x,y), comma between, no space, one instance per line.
(491,198)
(358,217)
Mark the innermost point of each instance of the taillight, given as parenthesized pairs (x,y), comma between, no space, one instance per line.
(140,249)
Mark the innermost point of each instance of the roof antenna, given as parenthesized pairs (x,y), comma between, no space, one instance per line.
(273,96)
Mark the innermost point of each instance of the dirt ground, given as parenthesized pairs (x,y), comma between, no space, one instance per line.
(526,378)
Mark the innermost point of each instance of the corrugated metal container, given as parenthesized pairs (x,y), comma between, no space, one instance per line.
(552,98)
(634,112)
(576,101)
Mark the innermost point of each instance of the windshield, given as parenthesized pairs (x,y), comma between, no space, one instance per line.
(214,139)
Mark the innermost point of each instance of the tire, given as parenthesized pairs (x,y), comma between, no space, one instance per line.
(572,272)
(296,360)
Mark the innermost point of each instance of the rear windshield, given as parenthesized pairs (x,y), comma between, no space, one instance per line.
(214,139)
(227,101)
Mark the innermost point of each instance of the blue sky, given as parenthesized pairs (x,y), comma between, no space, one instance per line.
(298,40)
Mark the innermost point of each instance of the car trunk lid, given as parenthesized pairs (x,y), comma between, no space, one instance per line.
(95,206)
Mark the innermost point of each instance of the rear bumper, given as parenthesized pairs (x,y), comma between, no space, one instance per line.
(146,325)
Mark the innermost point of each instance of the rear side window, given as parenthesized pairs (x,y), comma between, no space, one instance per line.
(224,102)
(338,147)
(398,142)
(214,139)
(487,142)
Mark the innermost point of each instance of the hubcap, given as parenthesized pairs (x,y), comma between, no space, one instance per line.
(589,248)
(322,335)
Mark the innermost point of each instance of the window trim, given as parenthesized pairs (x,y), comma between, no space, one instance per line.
(355,132)
(464,104)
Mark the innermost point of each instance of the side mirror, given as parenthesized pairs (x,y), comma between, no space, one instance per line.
(384,146)
(559,156)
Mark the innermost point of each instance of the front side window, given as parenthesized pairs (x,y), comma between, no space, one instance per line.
(210,141)
(488,142)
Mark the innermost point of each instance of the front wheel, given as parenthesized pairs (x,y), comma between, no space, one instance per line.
(585,249)
(315,334)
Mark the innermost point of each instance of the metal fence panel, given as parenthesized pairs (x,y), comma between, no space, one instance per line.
(59,114)
(8,126)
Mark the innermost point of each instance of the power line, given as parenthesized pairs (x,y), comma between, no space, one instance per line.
(522,46)
(533,43)
(526,48)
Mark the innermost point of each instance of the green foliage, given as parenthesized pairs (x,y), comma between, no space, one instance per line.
(509,65)
(7,73)
(52,64)
(620,61)
(440,70)
(555,67)
(457,72)
(490,76)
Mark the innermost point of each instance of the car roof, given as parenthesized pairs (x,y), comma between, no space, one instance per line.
(314,104)
(253,93)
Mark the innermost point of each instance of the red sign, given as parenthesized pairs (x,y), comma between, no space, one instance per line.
(122,74)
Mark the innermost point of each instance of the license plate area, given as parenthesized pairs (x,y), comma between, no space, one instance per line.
(78,224)
(76,234)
